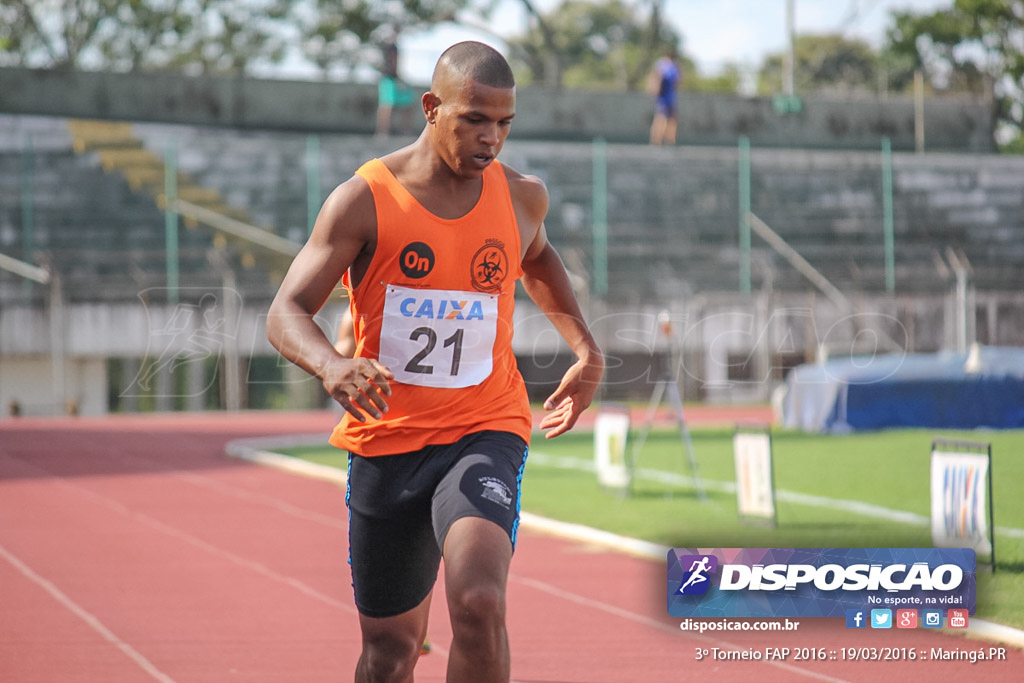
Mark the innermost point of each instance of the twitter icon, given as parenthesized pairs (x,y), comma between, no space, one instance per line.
(881,618)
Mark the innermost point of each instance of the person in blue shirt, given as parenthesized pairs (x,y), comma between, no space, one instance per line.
(663,83)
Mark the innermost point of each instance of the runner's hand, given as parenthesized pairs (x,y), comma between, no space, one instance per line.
(359,385)
(573,396)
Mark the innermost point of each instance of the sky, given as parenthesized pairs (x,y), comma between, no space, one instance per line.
(715,32)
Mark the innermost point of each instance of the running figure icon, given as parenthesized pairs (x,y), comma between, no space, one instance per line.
(698,573)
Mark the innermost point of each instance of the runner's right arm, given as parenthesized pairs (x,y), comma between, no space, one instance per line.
(344,233)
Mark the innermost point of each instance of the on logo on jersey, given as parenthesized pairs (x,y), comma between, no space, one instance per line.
(441,309)
(416,260)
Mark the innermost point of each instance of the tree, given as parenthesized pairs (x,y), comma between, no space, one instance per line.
(49,33)
(207,36)
(347,32)
(727,81)
(976,46)
(585,43)
(196,36)
(824,63)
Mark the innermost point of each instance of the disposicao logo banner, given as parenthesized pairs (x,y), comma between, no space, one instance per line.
(817,582)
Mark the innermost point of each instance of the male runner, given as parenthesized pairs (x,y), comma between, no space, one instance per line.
(430,240)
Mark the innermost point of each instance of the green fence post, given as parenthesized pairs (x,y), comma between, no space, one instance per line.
(887,218)
(28,198)
(744,202)
(171,220)
(599,209)
(313,190)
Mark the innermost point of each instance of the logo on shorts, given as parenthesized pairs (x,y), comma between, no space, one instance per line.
(490,266)
(696,576)
(417,260)
(496,491)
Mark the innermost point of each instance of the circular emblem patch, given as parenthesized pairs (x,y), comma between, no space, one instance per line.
(417,260)
(490,267)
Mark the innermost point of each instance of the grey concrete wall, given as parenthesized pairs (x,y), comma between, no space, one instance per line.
(27,386)
(822,122)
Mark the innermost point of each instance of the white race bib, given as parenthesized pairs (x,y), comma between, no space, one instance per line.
(438,338)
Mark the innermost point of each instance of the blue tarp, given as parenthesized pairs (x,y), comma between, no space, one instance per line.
(983,388)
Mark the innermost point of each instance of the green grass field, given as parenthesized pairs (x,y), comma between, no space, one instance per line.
(887,469)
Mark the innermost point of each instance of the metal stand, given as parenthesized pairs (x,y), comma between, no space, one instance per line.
(668,383)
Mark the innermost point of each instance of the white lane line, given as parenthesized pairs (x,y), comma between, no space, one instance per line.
(985,630)
(254,452)
(337,476)
(853,506)
(259,498)
(132,458)
(171,531)
(653,623)
(258,451)
(214,550)
(90,619)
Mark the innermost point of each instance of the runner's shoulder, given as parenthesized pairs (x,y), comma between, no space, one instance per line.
(350,206)
(528,191)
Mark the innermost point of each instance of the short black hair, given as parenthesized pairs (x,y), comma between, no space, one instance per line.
(478,62)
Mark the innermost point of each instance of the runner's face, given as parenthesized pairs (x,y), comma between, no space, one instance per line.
(471,122)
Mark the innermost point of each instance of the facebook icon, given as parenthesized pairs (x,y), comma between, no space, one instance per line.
(855,618)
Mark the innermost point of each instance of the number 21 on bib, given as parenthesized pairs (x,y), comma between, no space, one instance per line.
(438,338)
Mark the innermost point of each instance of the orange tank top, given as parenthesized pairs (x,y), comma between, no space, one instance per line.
(436,307)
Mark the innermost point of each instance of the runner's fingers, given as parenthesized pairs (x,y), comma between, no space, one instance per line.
(368,372)
(376,385)
(367,388)
(355,401)
(345,402)
(358,405)
(362,389)
(561,419)
(364,402)
(385,374)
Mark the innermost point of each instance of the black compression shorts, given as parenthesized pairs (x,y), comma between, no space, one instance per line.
(402,506)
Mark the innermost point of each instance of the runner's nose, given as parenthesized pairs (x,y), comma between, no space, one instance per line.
(489,135)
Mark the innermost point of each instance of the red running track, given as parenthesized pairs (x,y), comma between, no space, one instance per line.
(133,550)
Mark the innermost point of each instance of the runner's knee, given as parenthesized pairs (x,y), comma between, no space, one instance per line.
(388,657)
(477,608)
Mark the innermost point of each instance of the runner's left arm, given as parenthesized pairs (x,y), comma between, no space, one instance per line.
(547,282)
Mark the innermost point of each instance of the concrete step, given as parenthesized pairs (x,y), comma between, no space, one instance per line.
(95,135)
